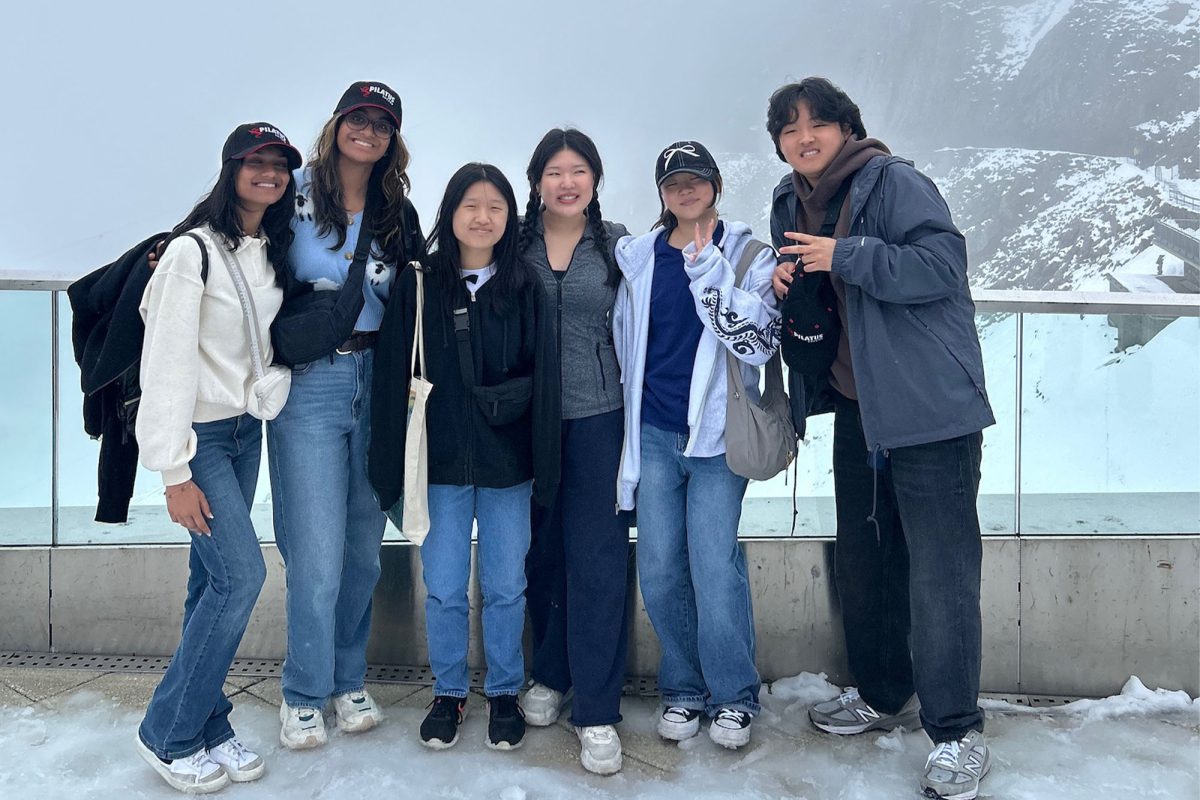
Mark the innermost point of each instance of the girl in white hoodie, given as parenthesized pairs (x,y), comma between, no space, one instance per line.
(206,385)
(677,313)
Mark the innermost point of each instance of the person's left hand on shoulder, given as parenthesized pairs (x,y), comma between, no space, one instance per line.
(814,252)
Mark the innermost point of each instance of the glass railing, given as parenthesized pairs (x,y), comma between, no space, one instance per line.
(1096,396)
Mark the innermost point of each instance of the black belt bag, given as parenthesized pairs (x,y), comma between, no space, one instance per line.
(502,404)
(312,324)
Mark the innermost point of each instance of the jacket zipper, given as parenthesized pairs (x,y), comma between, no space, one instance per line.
(470,466)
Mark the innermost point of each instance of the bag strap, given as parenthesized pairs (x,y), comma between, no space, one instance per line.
(462,336)
(203,255)
(834,210)
(774,365)
(418,350)
(351,291)
(249,312)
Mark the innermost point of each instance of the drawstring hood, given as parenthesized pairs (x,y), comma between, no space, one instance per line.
(877,461)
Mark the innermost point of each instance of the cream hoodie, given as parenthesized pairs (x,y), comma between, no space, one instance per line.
(196,363)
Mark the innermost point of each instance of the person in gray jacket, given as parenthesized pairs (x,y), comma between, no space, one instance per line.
(577,566)
(907,391)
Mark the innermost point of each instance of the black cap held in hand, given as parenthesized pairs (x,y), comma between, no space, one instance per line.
(254,136)
(685,156)
(811,326)
(371,93)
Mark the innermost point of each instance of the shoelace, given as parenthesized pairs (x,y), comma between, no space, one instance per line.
(678,711)
(731,715)
(239,751)
(946,755)
(600,734)
(198,760)
(849,696)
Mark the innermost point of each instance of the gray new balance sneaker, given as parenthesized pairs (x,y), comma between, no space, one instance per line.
(954,769)
(849,714)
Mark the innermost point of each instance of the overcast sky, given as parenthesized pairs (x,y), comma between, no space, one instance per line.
(116,112)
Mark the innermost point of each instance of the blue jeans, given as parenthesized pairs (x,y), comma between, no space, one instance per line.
(327,525)
(503,516)
(909,580)
(692,572)
(189,710)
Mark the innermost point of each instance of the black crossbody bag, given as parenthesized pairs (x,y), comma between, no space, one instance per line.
(312,324)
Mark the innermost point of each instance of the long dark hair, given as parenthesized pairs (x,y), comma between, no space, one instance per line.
(444,259)
(219,210)
(386,191)
(554,142)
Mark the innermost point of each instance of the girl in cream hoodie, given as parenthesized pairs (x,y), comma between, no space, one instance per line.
(206,385)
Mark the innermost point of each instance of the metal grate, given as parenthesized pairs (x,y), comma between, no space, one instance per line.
(1031,700)
(257,668)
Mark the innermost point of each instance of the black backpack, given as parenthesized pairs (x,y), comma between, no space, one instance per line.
(106,336)
(811,326)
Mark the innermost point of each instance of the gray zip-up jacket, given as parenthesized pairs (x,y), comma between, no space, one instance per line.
(910,317)
(581,304)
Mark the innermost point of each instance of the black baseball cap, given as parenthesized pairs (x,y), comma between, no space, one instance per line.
(371,93)
(254,136)
(685,156)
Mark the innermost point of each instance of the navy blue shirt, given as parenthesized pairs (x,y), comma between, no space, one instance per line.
(674,334)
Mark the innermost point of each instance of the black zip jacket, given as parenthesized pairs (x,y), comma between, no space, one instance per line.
(464,447)
(106,334)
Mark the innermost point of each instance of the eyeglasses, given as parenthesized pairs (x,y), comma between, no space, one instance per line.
(359,121)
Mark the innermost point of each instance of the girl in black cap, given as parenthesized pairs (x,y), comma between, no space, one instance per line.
(680,310)
(327,522)
(206,385)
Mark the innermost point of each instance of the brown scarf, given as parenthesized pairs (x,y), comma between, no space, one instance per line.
(810,215)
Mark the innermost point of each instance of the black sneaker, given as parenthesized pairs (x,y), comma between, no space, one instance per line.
(506,722)
(440,728)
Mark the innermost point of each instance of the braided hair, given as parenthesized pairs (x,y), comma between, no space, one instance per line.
(554,142)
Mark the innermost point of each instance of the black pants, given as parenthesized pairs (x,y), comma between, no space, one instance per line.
(577,570)
(909,587)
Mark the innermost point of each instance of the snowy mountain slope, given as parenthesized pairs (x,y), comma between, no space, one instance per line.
(1044,220)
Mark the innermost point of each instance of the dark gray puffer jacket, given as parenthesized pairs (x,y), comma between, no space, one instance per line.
(581,304)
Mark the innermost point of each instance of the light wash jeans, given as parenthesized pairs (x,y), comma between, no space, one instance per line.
(327,525)
(503,516)
(692,572)
(189,710)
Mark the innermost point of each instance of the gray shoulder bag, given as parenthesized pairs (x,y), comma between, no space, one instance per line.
(760,441)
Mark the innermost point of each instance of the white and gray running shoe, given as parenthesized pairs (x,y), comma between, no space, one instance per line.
(954,769)
(677,723)
(356,712)
(849,713)
(541,705)
(599,749)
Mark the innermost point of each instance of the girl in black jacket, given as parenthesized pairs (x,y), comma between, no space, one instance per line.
(492,422)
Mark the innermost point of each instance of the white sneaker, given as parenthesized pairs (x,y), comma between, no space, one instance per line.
(240,762)
(196,774)
(356,711)
(600,749)
(541,705)
(302,729)
(730,728)
(677,723)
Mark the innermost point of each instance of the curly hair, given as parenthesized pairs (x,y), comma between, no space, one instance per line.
(825,102)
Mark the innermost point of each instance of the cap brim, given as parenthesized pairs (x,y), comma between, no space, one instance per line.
(293,155)
(390,112)
(708,173)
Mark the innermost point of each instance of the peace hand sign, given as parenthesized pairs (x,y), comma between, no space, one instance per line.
(702,239)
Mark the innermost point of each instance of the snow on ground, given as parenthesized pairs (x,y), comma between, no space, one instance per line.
(1140,744)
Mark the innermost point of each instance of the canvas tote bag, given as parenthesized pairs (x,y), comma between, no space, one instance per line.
(415,519)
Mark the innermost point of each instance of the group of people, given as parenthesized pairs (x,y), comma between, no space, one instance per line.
(569,373)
